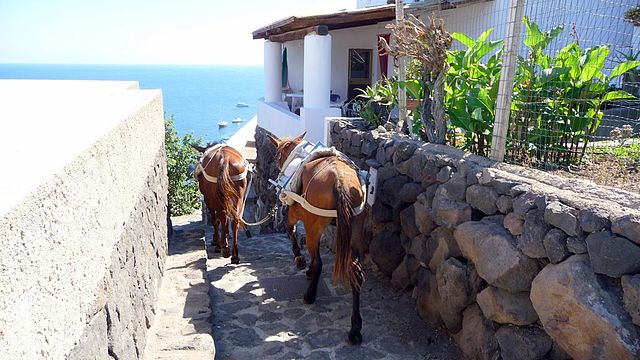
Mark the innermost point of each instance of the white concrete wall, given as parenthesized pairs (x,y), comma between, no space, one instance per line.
(277,118)
(70,181)
(315,123)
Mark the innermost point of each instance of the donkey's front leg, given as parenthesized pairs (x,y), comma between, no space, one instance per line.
(292,219)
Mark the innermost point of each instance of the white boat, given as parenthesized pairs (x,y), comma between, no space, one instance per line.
(236,120)
(242,104)
(222,123)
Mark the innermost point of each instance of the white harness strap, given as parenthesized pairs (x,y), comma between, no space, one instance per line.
(285,195)
(288,197)
(214,149)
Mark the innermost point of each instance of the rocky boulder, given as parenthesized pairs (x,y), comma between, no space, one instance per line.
(627,226)
(458,285)
(613,255)
(505,307)
(593,220)
(577,244)
(423,219)
(390,189)
(563,217)
(403,277)
(410,192)
(403,151)
(523,343)
(555,245)
(582,316)
(494,253)
(422,248)
(631,296)
(514,224)
(482,198)
(477,337)
(386,251)
(534,230)
(447,211)
(444,247)
(408,222)
(504,204)
(427,297)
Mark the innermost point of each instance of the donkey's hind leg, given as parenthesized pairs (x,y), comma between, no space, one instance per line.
(224,227)
(314,229)
(235,258)
(215,242)
(291,232)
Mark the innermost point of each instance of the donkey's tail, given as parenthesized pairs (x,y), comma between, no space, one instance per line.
(227,192)
(342,270)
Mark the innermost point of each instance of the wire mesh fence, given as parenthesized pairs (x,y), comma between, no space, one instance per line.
(575,84)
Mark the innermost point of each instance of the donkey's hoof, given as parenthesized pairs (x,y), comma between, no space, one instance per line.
(235,260)
(309,299)
(226,252)
(355,337)
(216,249)
(301,263)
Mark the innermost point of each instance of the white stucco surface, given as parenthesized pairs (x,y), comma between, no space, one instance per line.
(76,156)
(46,123)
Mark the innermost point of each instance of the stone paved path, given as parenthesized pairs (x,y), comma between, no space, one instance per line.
(258,312)
(182,326)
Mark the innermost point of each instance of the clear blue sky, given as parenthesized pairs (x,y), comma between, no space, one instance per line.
(143,31)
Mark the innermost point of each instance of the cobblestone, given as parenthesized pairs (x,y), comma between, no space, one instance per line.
(258,311)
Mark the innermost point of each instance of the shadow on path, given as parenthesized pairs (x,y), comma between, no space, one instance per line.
(258,311)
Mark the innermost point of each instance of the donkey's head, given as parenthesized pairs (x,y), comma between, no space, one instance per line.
(202,149)
(284,147)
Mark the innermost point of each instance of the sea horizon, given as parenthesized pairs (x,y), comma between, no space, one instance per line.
(197,95)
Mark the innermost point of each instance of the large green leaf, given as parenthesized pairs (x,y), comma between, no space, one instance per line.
(485,35)
(594,60)
(623,68)
(537,39)
(617,95)
(534,36)
(414,88)
(464,39)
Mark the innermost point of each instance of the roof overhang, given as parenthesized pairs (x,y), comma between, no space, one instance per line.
(296,27)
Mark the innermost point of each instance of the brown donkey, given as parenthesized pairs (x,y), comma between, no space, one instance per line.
(221,175)
(328,183)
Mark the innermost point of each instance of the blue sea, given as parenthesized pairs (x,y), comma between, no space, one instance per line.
(197,96)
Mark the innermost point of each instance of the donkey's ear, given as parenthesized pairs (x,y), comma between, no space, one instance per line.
(299,138)
(274,140)
(198,147)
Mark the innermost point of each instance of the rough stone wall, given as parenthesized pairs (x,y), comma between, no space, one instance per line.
(513,262)
(81,255)
(127,295)
(266,168)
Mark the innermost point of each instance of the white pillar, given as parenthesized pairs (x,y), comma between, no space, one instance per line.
(317,71)
(272,71)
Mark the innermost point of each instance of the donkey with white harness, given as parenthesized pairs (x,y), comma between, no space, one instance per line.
(320,184)
(222,179)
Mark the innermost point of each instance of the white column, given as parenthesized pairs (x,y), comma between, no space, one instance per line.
(272,71)
(317,71)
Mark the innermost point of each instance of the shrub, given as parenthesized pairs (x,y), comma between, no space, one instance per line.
(184,195)
(378,101)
